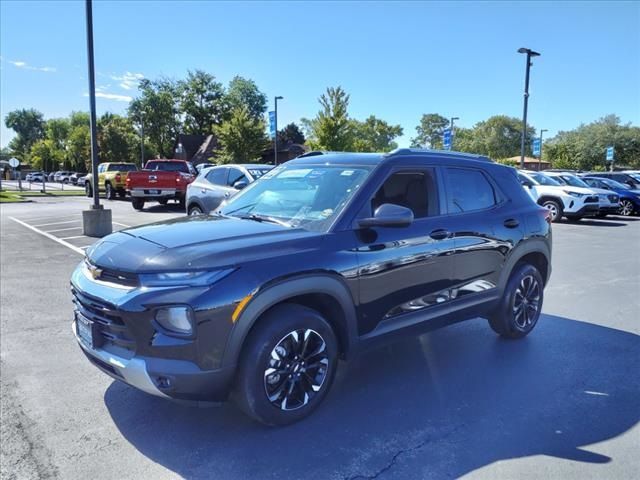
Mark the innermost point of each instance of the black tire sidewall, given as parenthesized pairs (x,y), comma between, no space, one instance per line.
(272,327)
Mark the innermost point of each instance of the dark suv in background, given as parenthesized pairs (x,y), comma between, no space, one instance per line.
(320,257)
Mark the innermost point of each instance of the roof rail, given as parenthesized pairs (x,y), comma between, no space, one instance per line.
(413,151)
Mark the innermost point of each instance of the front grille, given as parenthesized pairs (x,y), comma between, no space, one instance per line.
(613,198)
(126,279)
(110,329)
(591,199)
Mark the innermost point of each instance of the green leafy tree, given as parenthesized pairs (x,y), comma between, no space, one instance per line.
(498,137)
(201,101)
(29,127)
(157,110)
(117,139)
(375,135)
(331,129)
(242,138)
(430,131)
(291,134)
(245,93)
(78,145)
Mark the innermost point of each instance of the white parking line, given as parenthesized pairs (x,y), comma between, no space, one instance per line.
(56,223)
(63,229)
(48,235)
(122,224)
(71,238)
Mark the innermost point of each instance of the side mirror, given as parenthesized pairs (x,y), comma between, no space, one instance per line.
(388,215)
(240,184)
(526,183)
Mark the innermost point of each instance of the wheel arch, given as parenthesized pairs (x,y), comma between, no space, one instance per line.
(544,198)
(535,252)
(325,293)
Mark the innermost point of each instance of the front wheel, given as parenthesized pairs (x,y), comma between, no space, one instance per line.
(626,208)
(555,210)
(137,203)
(88,190)
(521,303)
(195,210)
(287,365)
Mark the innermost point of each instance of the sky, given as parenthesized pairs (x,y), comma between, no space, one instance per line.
(397,60)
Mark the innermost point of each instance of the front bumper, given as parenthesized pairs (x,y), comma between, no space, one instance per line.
(588,209)
(610,209)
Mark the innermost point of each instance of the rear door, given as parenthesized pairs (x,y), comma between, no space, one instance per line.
(212,192)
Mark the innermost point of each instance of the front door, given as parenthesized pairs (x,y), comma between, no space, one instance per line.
(408,269)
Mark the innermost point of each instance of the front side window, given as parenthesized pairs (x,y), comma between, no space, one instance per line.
(543,179)
(415,190)
(235,175)
(304,196)
(574,181)
(468,190)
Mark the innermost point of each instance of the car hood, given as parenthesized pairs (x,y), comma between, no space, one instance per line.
(569,188)
(198,242)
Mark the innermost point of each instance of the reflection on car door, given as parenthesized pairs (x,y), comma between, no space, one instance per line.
(213,193)
(404,270)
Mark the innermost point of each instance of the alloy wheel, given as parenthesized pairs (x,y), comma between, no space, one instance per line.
(297,369)
(553,209)
(626,208)
(526,302)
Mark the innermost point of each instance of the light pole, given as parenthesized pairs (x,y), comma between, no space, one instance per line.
(141,143)
(275,137)
(530,53)
(540,156)
(451,142)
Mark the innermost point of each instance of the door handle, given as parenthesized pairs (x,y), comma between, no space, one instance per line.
(511,223)
(440,234)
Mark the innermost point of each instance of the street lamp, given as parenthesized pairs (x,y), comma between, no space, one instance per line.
(540,156)
(451,142)
(275,127)
(530,53)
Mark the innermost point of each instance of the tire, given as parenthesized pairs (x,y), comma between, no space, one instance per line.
(163,201)
(626,208)
(137,203)
(515,317)
(194,210)
(555,208)
(88,190)
(110,191)
(294,392)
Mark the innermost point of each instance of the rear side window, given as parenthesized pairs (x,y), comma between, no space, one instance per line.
(168,167)
(217,176)
(468,190)
(235,175)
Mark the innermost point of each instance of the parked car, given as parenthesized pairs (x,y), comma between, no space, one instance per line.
(82,180)
(608,201)
(73,178)
(160,181)
(318,259)
(561,200)
(36,177)
(112,179)
(619,177)
(51,177)
(629,198)
(60,174)
(217,184)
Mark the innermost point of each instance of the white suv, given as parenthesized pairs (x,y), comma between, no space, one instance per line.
(608,201)
(561,200)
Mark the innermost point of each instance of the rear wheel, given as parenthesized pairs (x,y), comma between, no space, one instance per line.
(521,303)
(555,210)
(287,366)
(626,208)
(137,203)
(110,191)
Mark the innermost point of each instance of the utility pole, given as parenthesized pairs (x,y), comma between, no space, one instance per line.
(275,136)
(530,53)
(141,143)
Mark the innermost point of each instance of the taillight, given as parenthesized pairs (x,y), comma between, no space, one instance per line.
(178,179)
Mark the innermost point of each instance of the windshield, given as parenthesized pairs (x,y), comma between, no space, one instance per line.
(614,184)
(544,180)
(574,181)
(309,197)
(122,167)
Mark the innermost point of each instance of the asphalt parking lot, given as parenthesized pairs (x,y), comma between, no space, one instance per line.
(562,403)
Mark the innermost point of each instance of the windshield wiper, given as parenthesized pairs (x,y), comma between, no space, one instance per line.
(264,218)
(241,208)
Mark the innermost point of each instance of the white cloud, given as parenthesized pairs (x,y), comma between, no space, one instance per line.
(24,65)
(111,96)
(128,80)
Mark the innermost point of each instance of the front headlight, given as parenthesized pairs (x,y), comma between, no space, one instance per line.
(191,279)
(574,194)
(176,319)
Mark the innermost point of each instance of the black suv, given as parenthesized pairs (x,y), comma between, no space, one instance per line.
(320,257)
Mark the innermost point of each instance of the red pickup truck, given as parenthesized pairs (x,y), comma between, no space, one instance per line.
(160,181)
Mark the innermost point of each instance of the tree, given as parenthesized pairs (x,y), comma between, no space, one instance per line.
(29,128)
(331,129)
(117,139)
(375,135)
(242,138)
(201,100)
(157,109)
(79,142)
(430,131)
(290,134)
(243,92)
(497,137)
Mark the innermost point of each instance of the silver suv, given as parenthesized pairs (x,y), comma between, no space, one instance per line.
(217,184)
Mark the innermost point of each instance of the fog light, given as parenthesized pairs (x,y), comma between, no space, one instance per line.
(176,319)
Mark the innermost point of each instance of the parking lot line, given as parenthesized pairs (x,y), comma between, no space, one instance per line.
(122,224)
(75,236)
(48,235)
(56,223)
(63,229)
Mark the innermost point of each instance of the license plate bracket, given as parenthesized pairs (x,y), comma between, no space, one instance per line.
(85,329)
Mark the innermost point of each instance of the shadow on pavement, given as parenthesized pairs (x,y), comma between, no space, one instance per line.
(446,403)
(592,222)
